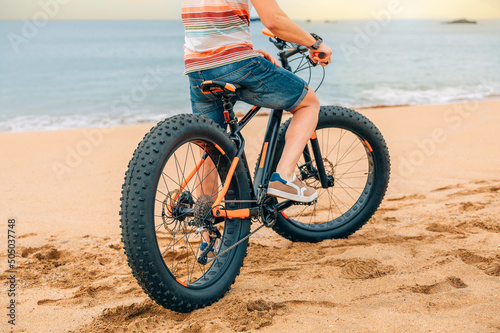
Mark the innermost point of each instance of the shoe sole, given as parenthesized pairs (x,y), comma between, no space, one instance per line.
(289,196)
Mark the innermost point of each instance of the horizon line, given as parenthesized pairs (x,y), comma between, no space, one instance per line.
(298,20)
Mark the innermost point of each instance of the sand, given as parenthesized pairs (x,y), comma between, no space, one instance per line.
(429,260)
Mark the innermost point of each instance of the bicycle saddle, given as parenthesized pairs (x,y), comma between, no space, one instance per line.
(210,87)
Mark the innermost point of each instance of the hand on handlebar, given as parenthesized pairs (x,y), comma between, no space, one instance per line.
(268,56)
(323,48)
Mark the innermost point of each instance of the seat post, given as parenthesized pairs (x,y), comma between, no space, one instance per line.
(229,116)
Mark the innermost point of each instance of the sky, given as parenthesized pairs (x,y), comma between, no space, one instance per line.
(296,9)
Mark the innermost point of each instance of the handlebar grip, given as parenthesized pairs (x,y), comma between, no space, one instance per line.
(267,32)
(320,55)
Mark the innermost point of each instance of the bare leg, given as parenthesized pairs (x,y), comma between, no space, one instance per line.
(300,130)
(207,175)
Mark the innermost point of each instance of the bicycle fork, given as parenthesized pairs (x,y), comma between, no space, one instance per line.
(307,170)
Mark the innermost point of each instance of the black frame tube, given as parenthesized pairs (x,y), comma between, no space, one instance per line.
(271,138)
(319,163)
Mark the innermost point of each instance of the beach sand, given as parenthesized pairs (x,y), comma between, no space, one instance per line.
(429,260)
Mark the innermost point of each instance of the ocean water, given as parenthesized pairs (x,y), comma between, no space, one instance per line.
(73,74)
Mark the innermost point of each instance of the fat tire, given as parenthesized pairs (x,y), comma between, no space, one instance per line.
(334,116)
(138,232)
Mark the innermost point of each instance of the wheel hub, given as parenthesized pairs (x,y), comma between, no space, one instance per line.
(312,180)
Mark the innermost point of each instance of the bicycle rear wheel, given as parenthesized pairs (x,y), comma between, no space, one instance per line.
(167,194)
(356,160)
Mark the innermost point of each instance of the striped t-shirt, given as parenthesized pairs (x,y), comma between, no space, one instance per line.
(217,33)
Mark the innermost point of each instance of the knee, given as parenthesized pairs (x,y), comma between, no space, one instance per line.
(311,102)
(314,99)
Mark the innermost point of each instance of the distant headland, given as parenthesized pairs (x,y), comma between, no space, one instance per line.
(461,21)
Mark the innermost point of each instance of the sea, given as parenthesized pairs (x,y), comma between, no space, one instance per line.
(77,74)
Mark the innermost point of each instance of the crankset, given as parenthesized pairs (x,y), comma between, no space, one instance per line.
(269,211)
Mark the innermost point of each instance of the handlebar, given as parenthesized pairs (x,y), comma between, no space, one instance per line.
(288,50)
(284,54)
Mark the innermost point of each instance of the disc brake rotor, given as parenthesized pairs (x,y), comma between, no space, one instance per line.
(329,170)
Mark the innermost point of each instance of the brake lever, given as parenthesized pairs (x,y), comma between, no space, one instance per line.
(314,64)
(320,55)
(280,44)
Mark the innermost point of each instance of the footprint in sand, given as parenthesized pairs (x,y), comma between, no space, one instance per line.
(470,207)
(435,227)
(450,283)
(490,266)
(365,269)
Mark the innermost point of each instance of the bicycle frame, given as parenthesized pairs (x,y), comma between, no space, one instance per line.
(264,164)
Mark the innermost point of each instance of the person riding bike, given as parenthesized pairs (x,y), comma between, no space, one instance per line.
(218,46)
(188,198)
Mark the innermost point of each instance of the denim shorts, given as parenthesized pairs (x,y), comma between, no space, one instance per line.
(263,84)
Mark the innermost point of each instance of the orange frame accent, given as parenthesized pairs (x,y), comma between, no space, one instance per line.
(181,283)
(263,155)
(249,113)
(228,182)
(233,214)
(314,136)
(369,147)
(216,211)
(220,149)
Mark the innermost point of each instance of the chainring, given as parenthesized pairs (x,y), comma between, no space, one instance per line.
(269,211)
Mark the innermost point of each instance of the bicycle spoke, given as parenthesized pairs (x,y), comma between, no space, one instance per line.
(351,167)
(335,202)
(194,262)
(179,169)
(348,151)
(351,187)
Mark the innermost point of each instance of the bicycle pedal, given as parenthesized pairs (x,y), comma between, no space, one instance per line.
(315,201)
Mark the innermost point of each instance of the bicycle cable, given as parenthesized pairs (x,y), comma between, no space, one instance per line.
(307,66)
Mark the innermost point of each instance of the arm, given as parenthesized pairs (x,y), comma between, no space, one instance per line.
(276,20)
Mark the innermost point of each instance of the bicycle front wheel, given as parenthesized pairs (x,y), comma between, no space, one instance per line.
(357,164)
(176,172)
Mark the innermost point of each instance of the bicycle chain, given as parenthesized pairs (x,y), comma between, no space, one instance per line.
(235,244)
